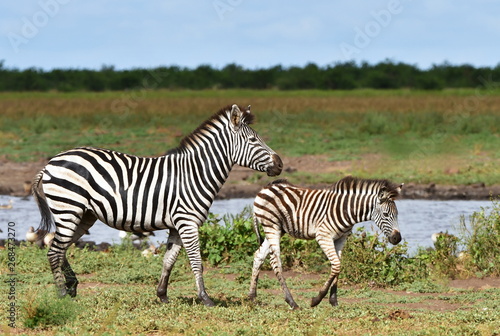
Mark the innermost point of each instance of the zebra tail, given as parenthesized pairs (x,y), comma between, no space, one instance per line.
(47,221)
(257,231)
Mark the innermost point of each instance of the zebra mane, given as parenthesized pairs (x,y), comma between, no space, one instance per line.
(279,181)
(248,118)
(354,184)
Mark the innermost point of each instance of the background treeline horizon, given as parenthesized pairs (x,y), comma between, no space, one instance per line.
(339,76)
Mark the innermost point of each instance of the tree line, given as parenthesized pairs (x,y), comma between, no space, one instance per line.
(338,76)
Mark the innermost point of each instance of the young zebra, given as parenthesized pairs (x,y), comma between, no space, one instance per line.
(137,194)
(325,215)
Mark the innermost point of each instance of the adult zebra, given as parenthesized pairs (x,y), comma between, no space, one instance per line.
(138,194)
(325,215)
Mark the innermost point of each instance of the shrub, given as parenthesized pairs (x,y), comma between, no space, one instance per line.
(473,253)
(481,241)
(302,254)
(368,259)
(228,240)
(442,259)
(365,258)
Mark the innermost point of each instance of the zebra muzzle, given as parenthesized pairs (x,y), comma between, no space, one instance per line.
(395,237)
(276,167)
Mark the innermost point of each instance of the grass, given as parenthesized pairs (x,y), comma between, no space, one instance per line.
(448,136)
(115,308)
(382,291)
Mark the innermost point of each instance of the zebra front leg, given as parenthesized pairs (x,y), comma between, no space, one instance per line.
(258,259)
(191,243)
(339,245)
(333,293)
(328,247)
(330,283)
(174,245)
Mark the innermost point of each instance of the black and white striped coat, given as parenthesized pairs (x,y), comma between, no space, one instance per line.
(138,194)
(327,215)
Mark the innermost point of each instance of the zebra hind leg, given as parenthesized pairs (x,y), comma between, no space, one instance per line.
(64,276)
(174,245)
(56,256)
(71,281)
(258,259)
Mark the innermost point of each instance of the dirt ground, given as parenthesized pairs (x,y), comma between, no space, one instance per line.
(16,178)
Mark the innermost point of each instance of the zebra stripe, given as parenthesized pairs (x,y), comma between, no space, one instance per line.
(326,215)
(137,194)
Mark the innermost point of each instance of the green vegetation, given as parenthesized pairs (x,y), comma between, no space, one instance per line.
(482,241)
(448,136)
(383,290)
(44,309)
(339,76)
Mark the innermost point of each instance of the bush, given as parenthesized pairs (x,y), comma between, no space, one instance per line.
(368,259)
(228,240)
(303,254)
(365,258)
(473,253)
(442,259)
(481,241)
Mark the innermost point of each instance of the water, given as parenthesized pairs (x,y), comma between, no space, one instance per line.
(418,219)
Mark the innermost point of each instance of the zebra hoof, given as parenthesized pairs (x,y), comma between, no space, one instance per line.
(292,304)
(62,292)
(315,301)
(208,303)
(72,291)
(163,299)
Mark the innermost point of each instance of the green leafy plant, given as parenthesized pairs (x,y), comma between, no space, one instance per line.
(480,237)
(228,240)
(45,309)
(303,254)
(368,259)
(444,256)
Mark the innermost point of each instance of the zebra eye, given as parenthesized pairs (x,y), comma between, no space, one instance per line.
(385,213)
(252,139)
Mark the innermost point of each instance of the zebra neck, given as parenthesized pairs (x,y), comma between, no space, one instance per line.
(207,169)
(365,207)
(352,208)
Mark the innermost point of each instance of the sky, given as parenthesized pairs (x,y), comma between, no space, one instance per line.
(127,34)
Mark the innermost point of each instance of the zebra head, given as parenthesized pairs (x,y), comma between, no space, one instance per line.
(385,213)
(249,149)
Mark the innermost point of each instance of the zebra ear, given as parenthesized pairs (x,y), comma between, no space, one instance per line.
(236,116)
(383,195)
